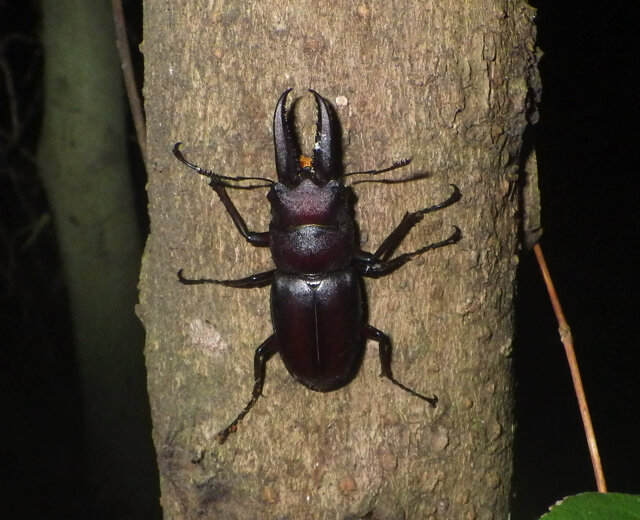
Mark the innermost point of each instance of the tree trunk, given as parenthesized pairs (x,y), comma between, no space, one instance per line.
(451,85)
(84,167)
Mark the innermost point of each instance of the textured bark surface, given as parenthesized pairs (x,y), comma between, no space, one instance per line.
(451,84)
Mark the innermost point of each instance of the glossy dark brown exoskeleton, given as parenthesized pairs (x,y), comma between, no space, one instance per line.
(317,298)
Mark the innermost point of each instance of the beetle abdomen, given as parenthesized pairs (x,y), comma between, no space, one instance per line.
(317,321)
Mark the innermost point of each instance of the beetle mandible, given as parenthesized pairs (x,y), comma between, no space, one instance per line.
(318,309)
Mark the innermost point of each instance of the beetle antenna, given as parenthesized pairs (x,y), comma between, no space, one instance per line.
(415,177)
(398,164)
(219,180)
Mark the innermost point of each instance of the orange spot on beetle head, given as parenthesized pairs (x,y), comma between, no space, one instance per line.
(304,161)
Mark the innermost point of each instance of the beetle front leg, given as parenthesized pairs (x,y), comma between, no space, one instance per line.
(255,280)
(263,353)
(255,238)
(384,346)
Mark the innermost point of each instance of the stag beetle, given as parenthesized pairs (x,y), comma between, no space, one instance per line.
(318,308)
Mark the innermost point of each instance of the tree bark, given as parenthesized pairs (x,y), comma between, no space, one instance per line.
(450,84)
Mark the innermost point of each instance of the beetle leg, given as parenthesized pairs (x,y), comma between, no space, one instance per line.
(263,353)
(409,220)
(255,238)
(375,269)
(384,346)
(255,280)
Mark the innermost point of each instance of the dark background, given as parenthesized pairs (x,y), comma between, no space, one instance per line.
(587,143)
(587,152)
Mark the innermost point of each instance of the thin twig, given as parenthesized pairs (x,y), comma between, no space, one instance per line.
(567,341)
(135,104)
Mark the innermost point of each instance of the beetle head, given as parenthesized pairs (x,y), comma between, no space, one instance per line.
(290,166)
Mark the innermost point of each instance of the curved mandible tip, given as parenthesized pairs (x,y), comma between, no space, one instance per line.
(324,160)
(284,143)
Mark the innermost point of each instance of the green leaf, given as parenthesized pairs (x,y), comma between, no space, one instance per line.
(596,506)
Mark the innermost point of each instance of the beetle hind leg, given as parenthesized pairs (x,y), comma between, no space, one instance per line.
(263,353)
(384,346)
